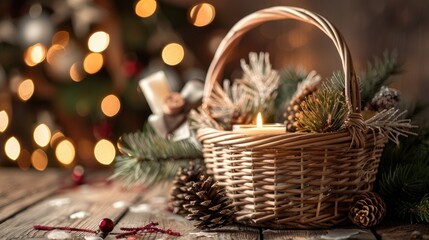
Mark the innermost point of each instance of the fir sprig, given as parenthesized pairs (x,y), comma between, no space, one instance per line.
(322,111)
(378,74)
(148,158)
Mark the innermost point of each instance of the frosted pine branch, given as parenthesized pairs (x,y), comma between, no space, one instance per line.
(390,123)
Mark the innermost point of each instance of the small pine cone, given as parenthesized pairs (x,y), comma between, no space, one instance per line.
(208,204)
(292,109)
(178,192)
(386,98)
(367,210)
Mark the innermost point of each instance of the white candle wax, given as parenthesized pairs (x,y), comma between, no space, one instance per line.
(156,89)
(265,129)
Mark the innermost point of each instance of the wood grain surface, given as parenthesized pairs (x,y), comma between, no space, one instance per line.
(30,198)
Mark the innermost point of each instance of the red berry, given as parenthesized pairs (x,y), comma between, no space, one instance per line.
(78,175)
(106,225)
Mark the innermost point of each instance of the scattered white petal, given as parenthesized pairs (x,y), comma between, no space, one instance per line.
(59,202)
(141,208)
(79,215)
(204,234)
(57,234)
(120,204)
(93,238)
(340,234)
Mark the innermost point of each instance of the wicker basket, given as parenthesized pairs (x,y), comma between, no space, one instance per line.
(292,180)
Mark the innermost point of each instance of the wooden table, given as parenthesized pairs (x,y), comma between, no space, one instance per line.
(46,198)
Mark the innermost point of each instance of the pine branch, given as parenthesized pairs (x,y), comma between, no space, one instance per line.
(377,75)
(263,80)
(289,79)
(323,111)
(147,158)
(390,123)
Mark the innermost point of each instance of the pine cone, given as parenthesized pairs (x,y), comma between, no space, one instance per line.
(305,89)
(208,204)
(367,210)
(386,98)
(191,173)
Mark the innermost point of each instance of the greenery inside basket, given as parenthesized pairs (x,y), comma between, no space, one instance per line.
(312,173)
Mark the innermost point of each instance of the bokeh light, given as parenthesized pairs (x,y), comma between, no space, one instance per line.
(42,135)
(202,14)
(110,105)
(56,138)
(39,160)
(145,8)
(24,160)
(54,52)
(61,38)
(12,148)
(4,121)
(98,41)
(35,54)
(173,54)
(76,72)
(104,152)
(26,89)
(93,63)
(65,152)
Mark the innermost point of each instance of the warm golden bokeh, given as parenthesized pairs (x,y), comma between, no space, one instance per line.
(65,152)
(4,121)
(54,52)
(35,54)
(56,138)
(104,152)
(110,105)
(173,54)
(26,89)
(61,38)
(98,41)
(202,14)
(42,135)
(12,148)
(93,63)
(39,160)
(145,8)
(76,73)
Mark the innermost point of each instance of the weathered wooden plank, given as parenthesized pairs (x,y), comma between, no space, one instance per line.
(153,208)
(80,207)
(403,232)
(340,233)
(19,189)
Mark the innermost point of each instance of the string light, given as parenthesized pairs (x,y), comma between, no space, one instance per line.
(61,38)
(42,135)
(173,54)
(12,148)
(202,14)
(110,105)
(35,54)
(104,152)
(76,73)
(26,89)
(93,63)
(56,138)
(98,41)
(4,120)
(24,160)
(145,8)
(39,160)
(65,152)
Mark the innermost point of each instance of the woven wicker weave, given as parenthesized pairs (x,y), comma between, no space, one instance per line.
(292,180)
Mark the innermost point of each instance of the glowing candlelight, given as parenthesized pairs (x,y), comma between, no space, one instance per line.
(260,128)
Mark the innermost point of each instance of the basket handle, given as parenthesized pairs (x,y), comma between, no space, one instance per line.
(278,13)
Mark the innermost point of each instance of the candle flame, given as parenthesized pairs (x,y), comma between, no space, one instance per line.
(259,120)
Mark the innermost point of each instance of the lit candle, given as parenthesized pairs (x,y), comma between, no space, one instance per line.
(260,128)
(156,89)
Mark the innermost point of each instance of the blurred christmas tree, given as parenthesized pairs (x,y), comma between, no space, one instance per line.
(69,72)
